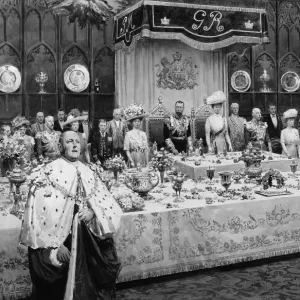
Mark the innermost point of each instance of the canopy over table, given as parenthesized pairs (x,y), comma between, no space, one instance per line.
(149,33)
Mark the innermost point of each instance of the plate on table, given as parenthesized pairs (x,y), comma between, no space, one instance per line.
(240,81)
(273,193)
(10,79)
(290,81)
(77,78)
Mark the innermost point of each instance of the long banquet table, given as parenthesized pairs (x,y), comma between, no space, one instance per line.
(189,168)
(189,235)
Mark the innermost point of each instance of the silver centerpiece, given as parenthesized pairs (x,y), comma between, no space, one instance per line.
(16,177)
(41,78)
(141,181)
(264,78)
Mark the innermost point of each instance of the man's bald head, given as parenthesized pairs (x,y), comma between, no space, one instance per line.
(69,144)
(40,117)
(256,113)
(234,108)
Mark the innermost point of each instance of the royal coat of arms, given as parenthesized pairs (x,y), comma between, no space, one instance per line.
(178,74)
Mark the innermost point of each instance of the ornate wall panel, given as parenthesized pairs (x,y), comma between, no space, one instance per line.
(278,57)
(51,44)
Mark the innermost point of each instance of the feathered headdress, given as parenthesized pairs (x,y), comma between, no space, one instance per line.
(290,113)
(19,121)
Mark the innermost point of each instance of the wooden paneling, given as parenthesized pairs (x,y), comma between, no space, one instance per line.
(282,54)
(34,40)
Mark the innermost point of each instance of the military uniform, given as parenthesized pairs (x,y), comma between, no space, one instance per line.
(177,134)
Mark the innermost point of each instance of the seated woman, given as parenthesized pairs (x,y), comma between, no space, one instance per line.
(72,124)
(216,130)
(290,136)
(136,142)
(19,126)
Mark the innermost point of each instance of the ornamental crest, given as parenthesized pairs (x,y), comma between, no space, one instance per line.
(179,74)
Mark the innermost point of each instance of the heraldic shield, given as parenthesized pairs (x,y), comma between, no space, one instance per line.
(178,74)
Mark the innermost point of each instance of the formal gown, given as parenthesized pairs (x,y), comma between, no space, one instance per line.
(137,144)
(216,127)
(290,138)
(83,147)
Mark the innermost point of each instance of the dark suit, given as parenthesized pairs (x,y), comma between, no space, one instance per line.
(57,126)
(274,133)
(101,147)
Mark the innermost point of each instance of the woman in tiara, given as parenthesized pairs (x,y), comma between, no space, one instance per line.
(136,142)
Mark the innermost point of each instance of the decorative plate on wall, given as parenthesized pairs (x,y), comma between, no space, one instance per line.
(290,81)
(77,78)
(240,81)
(10,79)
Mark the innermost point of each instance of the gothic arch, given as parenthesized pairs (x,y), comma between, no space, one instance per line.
(75,51)
(40,48)
(9,49)
(290,60)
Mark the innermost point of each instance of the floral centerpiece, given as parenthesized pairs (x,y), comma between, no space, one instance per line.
(12,151)
(116,165)
(268,177)
(161,162)
(252,158)
(129,201)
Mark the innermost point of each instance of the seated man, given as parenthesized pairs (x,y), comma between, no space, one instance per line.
(68,224)
(256,132)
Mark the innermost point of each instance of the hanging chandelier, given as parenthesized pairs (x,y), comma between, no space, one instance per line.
(94,12)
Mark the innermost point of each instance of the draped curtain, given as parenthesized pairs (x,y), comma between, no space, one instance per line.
(136,74)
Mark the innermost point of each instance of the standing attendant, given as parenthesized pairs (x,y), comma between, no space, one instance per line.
(236,126)
(290,141)
(274,128)
(86,127)
(58,124)
(216,130)
(117,130)
(102,144)
(39,125)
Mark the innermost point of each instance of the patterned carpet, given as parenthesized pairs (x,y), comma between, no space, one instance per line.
(260,280)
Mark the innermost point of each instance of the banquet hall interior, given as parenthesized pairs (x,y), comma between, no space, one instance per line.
(149,149)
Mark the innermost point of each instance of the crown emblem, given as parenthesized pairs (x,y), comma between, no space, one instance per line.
(165,21)
(177,56)
(249,24)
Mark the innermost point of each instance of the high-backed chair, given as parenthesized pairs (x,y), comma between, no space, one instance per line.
(155,124)
(198,119)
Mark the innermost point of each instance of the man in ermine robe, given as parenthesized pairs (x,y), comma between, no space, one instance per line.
(68,226)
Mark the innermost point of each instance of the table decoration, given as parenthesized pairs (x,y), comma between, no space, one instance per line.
(293,167)
(161,162)
(177,186)
(141,181)
(210,172)
(236,177)
(226,182)
(116,165)
(273,192)
(268,177)
(129,201)
(10,79)
(252,158)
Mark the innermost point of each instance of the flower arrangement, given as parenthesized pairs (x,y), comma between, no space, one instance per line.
(161,161)
(251,155)
(14,149)
(129,201)
(116,164)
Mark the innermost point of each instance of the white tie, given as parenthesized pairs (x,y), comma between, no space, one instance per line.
(274,120)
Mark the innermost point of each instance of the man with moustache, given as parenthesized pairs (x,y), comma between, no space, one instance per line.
(256,132)
(47,141)
(68,226)
(177,133)
(58,124)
